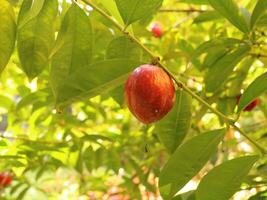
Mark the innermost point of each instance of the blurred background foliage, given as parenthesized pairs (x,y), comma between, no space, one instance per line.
(95,149)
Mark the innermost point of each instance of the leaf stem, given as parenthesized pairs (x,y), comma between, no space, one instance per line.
(179,83)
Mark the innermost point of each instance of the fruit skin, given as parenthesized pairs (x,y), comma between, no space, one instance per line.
(149,93)
(157,30)
(251,105)
(5,179)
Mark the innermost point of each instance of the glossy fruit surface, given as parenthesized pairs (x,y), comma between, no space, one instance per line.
(149,93)
(157,30)
(5,179)
(251,105)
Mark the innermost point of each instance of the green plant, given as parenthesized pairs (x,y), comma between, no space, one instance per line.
(63,116)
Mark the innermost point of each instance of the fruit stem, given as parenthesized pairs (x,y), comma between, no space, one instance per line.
(227,120)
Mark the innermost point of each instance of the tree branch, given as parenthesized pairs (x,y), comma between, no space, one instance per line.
(156,60)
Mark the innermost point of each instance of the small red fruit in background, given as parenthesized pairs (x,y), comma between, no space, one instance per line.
(5,179)
(156,29)
(149,93)
(251,105)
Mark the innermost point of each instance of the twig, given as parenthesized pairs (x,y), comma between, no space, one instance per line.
(154,58)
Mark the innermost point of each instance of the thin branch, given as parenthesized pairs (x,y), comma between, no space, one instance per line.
(156,60)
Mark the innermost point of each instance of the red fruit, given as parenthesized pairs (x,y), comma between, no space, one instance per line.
(251,105)
(149,93)
(157,30)
(5,179)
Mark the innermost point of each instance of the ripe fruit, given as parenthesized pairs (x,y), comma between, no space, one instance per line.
(157,30)
(149,93)
(5,179)
(251,105)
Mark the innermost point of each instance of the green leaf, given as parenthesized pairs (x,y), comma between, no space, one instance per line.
(23,193)
(223,68)
(118,95)
(230,10)
(2,143)
(123,47)
(207,17)
(30,99)
(16,187)
(41,171)
(111,6)
(88,158)
(114,161)
(187,161)
(7,33)
(31,10)
(241,74)
(5,102)
(173,128)
(255,89)
(259,10)
(73,49)
(262,22)
(79,161)
(212,57)
(36,37)
(224,180)
(135,10)
(211,45)
(100,157)
(91,81)
(187,48)
(227,105)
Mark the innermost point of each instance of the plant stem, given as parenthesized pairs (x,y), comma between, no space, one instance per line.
(156,59)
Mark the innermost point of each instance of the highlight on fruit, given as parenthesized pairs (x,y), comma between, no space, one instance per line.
(149,93)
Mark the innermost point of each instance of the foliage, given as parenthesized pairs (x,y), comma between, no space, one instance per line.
(65,132)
